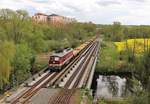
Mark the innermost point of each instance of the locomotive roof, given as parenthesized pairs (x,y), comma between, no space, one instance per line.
(64,52)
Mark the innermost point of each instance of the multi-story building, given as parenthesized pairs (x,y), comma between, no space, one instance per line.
(53,19)
(40,17)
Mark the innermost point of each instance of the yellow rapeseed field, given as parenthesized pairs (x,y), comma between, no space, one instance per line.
(139,45)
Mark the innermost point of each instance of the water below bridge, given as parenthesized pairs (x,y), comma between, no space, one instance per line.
(110,84)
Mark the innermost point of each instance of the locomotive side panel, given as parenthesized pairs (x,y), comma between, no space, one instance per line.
(67,57)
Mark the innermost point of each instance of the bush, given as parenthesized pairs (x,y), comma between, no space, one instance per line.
(22,63)
(141,97)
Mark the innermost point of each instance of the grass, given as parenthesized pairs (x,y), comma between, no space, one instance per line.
(114,101)
(108,57)
(83,96)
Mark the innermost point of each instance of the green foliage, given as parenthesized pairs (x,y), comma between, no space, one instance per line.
(139,65)
(22,62)
(113,32)
(118,32)
(109,59)
(143,70)
(137,32)
(14,24)
(37,42)
(114,101)
(85,94)
(102,101)
(141,97)
(7,51)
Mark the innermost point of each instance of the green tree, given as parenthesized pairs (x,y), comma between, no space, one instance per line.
(117,32)
(14,24)
(7,51)
(22,63)
(141,97)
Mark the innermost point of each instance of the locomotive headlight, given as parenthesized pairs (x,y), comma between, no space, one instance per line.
(56,59)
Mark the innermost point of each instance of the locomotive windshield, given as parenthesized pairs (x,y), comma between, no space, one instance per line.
(54,58)
(59,51)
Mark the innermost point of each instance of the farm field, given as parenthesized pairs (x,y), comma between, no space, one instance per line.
(139,44)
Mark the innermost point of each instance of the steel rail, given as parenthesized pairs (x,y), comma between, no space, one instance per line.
(64,97)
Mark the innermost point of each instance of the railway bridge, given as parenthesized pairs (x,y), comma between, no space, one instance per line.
(77,74)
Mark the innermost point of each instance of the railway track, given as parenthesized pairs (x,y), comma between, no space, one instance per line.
(22,99)
(65,94)
(80,70)
(72,64)
(49,77)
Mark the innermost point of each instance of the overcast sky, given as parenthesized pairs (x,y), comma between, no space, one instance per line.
(132,12)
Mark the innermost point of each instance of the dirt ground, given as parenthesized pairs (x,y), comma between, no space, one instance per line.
(43,57)
(78,98)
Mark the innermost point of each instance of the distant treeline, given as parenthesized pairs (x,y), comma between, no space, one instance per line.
(118,32)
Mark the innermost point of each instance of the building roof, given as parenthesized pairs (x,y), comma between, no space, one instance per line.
(53,15)
(41,14)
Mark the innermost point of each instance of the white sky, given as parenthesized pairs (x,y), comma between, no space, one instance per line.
(131,12)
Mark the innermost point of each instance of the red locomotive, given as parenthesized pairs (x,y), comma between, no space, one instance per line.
(60,59)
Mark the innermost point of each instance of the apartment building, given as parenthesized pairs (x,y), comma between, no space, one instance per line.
(40,17)
(53,19)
